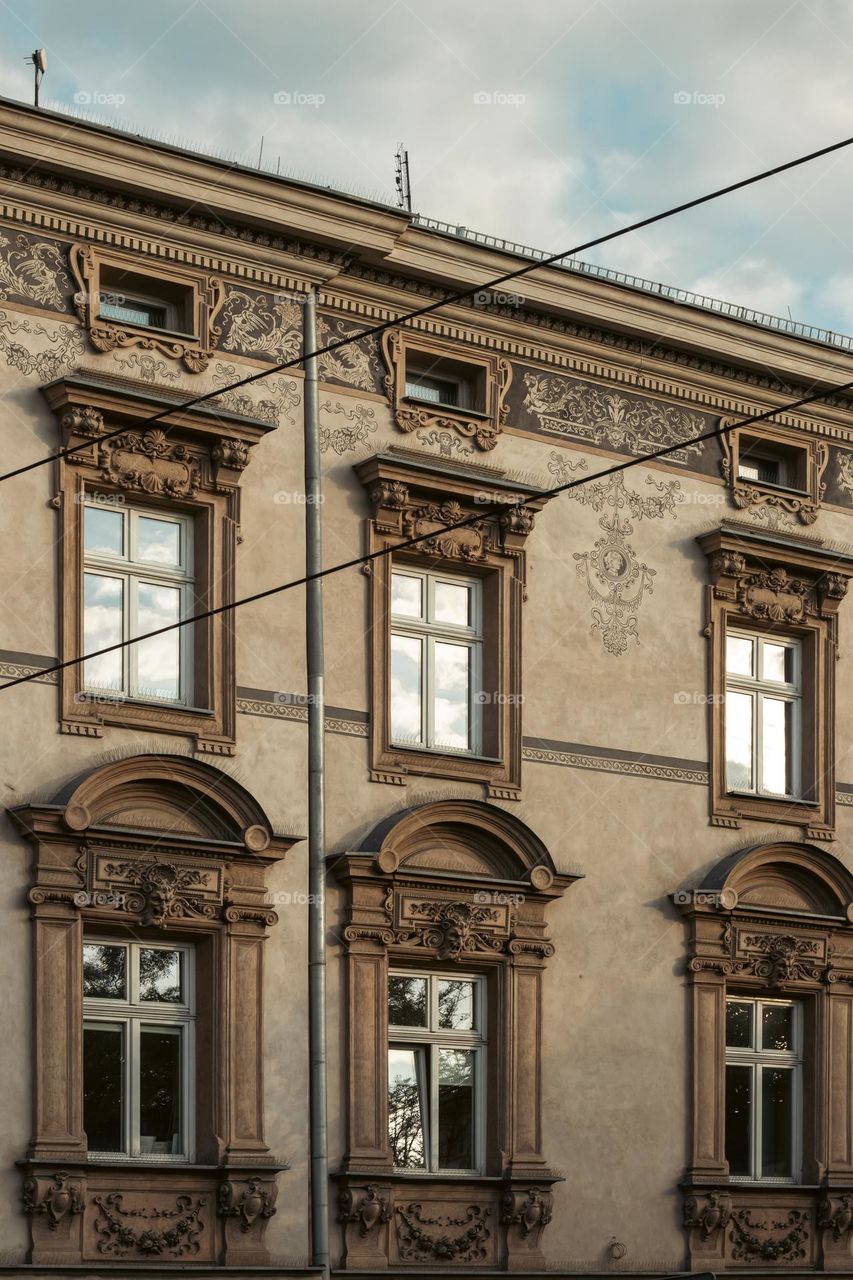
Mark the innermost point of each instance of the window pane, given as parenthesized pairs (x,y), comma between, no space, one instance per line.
(160,975)
(158,541)
(453,604)
(104,971)
(776,748)
(777,1027)
(103,1087)
(777,1089)
(455,1109)
(103,531)
(103,604)
(160,1091)
(158,659)
(406,595)
(406,1131)
(739,1024)
(407,1002)
(739,651)
(451,696)
(777,663)
(405,689)
(738,1119)
(739,741)
(455,1005)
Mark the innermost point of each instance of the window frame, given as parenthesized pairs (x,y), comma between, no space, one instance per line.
(758,688)
(132,573)
(432,1039)
(430,633)
(758,1059)
(133,1015)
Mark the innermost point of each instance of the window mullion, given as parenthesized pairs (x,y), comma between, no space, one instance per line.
(433,1057)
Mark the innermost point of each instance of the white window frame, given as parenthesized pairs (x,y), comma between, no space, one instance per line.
(759,1059)
(132,1014)
(759,689)
(428,633)
(131,572)
(432,1039)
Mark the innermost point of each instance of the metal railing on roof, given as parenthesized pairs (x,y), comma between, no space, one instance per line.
(812,333)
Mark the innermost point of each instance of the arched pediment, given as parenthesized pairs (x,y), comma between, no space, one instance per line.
(174,795)
(783,877)
(461,837)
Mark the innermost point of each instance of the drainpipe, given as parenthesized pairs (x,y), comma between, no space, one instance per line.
(316,802)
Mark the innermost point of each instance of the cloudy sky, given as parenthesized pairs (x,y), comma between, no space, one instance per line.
(547,122)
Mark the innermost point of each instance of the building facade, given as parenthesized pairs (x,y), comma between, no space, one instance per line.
(590,952)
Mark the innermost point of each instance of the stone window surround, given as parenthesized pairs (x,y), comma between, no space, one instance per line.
(755,494)
(768,583)
(206,295)
(410,495)
(190,463)
(447,883)
(773,919)
(94,874)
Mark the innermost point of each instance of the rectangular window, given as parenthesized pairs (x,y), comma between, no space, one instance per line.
(444,382)
(763,715)
(129,297)
(137,1050)
(436,1072)
(764,1089)
(436,661)
(772,463)
(137,577)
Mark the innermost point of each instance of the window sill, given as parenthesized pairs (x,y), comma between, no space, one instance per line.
(761,798)
(440,407)
(147,328)
(441,753)
(88,698)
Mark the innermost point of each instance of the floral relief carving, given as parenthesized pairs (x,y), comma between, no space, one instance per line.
(845,472)
(775,595)
(62,1198)
(460,1239)
(48,363)
(175,1234)
(359,425)
(281,396)
(615,578)
(257,324)
(148,367)
(628,423)
(446,442)
(468,543)
(33,269)
(784,957)
(370,1211)
(752,1240)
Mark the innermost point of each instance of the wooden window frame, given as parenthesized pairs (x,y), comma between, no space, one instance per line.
(455,884)
(411,496)
(189,466)
(772,922)
(758,1059)
(490,374)
(758,689)
(747,494)
(765,584)
(205,293)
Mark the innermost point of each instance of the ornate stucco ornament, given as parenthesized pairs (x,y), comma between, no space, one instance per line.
(532,1213)
(176,1233)
(455,1240)
(61,1198)
(256,1201)
(370,1211)
(165,890)
(453,928)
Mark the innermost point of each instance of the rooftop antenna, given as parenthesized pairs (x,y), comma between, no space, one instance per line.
(39,60)
(401,180)
(261,152)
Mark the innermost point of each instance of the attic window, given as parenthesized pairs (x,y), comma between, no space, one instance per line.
(781,466)
(452,384)
(128,297)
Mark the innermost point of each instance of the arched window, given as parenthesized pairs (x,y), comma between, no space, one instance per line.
(149,914)
(771,976)
(446,945)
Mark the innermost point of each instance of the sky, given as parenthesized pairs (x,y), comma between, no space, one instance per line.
(548,122)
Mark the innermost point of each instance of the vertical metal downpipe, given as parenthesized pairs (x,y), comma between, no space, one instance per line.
(316,801)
